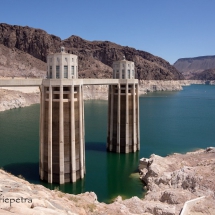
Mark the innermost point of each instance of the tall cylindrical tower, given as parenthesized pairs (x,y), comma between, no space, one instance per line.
(62,146)
(123,110)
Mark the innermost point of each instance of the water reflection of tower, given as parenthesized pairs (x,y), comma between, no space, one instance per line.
(119,170)
(62,121)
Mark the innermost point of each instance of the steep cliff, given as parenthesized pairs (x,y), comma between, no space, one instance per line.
(95,57)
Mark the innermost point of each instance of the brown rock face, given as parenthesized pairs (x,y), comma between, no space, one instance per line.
(192,67)
(208,74)
(36,42)
(16,63)
(95,58)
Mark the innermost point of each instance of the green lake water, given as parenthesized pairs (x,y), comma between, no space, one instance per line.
(169,122)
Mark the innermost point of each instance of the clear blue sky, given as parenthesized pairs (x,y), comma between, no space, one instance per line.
(170,29)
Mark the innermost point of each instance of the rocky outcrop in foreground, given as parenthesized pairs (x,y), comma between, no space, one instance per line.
(170,181)
(19,197)
(177,178)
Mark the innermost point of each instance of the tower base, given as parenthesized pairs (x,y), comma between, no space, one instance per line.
(62,147)
(123,117)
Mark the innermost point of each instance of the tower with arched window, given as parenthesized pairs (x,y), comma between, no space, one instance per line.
(123,69)
(123,109)
(62,145)
(62,65)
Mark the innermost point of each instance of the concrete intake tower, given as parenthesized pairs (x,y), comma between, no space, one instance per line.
(62,134)
(123,109)
(62,147)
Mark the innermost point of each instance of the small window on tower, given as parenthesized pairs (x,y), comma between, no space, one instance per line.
(65,71)
(50,72)
(72,70)
(57,71)
(123,74)
(129,74)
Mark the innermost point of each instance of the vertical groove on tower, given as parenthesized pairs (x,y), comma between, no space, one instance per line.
(112,88)
(42,99)
(82,106)
(126,120)
(109,116)
(118,119)
(81,132)
(138,119)
(50,136)
(61,135)
(73,154)
(134,95)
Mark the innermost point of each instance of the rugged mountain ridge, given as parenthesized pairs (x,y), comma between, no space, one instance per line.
(190,67)
(95,57)
(208,74)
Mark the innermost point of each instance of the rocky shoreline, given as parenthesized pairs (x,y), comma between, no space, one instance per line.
(178,178)
(153,85)
(15,98)
(171,181)
(10,99)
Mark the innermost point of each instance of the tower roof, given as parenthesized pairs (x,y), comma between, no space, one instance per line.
(123,60)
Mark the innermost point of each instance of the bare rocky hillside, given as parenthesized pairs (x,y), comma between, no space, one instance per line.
(14,62)
(190,67)
(208,74)
(95,57)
